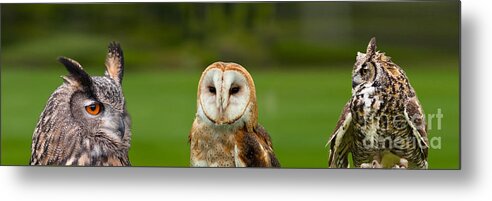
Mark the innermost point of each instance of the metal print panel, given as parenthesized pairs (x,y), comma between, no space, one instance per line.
(258,84)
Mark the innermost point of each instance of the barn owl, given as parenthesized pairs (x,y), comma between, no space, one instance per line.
(225,132)
(383,124)
(85,122)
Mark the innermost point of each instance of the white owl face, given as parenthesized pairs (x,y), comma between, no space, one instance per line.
(225,94)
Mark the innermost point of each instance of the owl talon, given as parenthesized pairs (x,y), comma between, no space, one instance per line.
(373,164)
(366,165)
(403,163)
(376,164)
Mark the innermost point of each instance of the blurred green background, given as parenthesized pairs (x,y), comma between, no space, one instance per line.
(299,54)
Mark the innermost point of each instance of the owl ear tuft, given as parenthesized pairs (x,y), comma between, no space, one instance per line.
(360,56)
(371,47)
(77,76)
(114,62)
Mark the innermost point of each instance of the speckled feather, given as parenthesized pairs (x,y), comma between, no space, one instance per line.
(62,139)
(384,106)
(230,148)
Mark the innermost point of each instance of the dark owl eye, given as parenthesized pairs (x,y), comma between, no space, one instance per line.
(212,90)
(94,108)
(234,90)
(363,71)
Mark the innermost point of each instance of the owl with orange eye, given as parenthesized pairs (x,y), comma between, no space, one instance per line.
(85,121)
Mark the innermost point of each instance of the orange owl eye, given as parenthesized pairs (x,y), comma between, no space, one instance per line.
(94,108)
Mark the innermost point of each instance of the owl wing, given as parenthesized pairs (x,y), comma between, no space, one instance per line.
(255,149)
(340,140)
(50,148)
(416,120)
(39,149)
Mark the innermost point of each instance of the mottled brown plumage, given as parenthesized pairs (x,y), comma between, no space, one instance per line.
(226,132)
(383,119)
(85,122)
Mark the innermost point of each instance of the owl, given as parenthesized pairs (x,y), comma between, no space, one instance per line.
(85,121)
(383,124)
(225,132)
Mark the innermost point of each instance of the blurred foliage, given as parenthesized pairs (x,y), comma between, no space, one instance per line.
(193,35)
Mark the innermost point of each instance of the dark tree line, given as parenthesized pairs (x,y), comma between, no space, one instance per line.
(259,34)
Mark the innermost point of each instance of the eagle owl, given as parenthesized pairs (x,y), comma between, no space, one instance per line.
(225,132)
(382,125)
(85,122)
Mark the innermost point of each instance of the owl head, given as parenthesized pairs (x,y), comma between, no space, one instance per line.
(85,118)
(227,96)
(373,68)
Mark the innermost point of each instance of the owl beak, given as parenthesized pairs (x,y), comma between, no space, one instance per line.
(121,127)
(219,102)
(222,103)
(354,84)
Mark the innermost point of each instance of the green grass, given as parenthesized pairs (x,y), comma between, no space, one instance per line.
(299,109)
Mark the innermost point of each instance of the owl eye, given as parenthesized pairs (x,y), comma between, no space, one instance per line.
(212,90)
(234,90)
(94,108)
(363,71)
